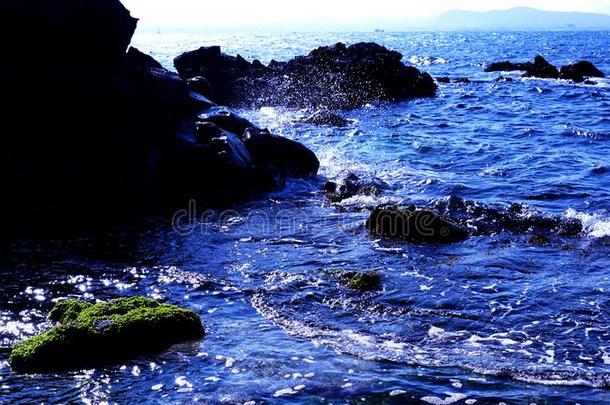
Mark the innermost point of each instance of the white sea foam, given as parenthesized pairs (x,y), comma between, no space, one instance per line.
(450,399)
(594,226)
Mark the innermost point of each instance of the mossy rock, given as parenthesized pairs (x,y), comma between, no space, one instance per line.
(357,280)
(411,224)
(95,334)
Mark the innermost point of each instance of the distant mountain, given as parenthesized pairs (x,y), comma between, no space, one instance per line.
(521,18)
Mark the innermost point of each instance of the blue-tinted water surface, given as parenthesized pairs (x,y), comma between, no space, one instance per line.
(493,319)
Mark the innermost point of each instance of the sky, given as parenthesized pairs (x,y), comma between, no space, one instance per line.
(249,13)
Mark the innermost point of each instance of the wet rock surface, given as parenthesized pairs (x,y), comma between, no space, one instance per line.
(352,185)
(411,224)
(335,77)
(541,68)
(580,70)
(481,219)
(118,134)
(103,333)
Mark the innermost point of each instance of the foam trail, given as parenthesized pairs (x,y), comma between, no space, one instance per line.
(594,226)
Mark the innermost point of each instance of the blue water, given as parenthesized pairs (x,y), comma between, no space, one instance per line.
(493,319)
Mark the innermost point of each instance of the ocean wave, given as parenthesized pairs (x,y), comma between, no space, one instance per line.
(482,219)
(594,225)
(484,355)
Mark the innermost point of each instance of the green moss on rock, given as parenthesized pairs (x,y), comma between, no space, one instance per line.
(68,310)
(93,334)
(362,281)
(357,280)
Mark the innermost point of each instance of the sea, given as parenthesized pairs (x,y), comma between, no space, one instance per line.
(504,317)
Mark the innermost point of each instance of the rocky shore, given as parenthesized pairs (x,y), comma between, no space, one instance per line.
(578,72)
(335,77)
(96,131)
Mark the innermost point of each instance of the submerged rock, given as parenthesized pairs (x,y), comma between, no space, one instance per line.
(482,219)
(353,186)
(104,333)
(413,225)
(356,280)
(360,281)
(325,117)
(541,240)
(336,77)
(580,70)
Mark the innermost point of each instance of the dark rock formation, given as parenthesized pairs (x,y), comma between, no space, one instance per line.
(539,68)
(577,72)
(413,225)
(580,70)
(542,69)
(336,77)
(226,119)
(352,186)
(504,79)
(515,218)
(89,335)
(100,133)
(358,280)
(135,57)
(443,79)
(462,80)
(279,156)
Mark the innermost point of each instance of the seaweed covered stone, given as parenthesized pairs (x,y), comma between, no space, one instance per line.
(356,280)
(360,281)
(93,334)
(411,224)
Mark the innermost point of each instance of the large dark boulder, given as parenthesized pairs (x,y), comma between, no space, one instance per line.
(227,119)
(336,76)
(96,132)
(580,70)
(539,68)
(413,225)
(136,57)
(280,156)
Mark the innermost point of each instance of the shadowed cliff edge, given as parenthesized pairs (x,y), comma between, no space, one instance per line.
(99,131)
(96,132)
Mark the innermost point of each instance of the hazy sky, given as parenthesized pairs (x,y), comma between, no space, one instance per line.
(245,13)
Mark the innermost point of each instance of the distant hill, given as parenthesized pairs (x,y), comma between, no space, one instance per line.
(521,18)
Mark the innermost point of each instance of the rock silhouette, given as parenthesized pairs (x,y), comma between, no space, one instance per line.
(335,77)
